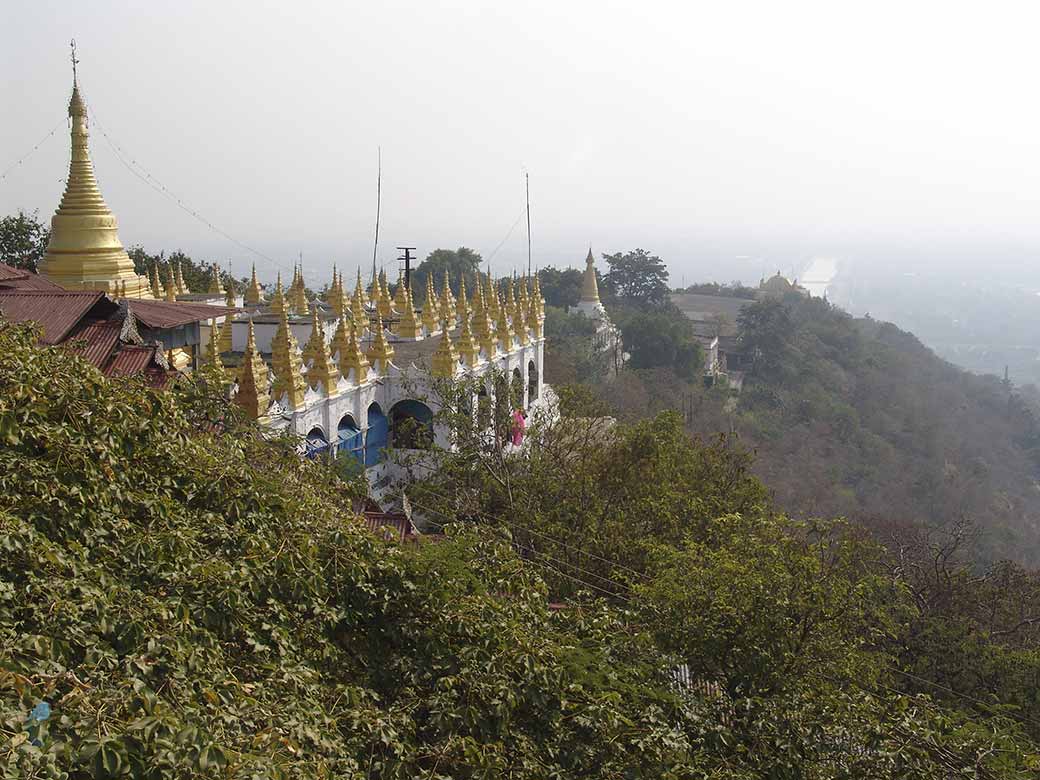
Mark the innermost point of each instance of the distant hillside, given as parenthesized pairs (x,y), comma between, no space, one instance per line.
(856,417)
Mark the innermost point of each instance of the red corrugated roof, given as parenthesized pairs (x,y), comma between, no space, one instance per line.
(166,314)
(17,279)
(56,312)
(390,525)
(8,272)
(95,340)
(130,359)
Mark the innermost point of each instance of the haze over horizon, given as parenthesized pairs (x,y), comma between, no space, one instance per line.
(732,141)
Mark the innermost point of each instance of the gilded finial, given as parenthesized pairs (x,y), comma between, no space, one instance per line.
(213,351)
(379,351)
(253,385)
(287,365)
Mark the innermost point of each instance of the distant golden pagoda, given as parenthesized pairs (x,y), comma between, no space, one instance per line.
(182,288)
(253,296)
(379,351)
(353,363)
(253,385)
(589,286)
(430,312)
(213,352)
(445,360)
(408,327)
(287,365)
(84,252)
(277,304)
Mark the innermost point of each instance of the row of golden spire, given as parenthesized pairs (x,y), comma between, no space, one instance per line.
(492,326)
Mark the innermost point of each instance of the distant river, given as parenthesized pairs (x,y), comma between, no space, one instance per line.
(818,275)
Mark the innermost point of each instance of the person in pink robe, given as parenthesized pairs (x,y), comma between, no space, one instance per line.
(519,424)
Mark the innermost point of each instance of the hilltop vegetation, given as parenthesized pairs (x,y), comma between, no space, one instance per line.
(856,417)
(193,600)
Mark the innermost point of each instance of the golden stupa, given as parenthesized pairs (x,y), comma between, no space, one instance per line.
(84,252)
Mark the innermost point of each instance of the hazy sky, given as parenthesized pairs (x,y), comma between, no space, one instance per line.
(727,137)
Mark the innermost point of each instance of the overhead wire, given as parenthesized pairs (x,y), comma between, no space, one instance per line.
(137,170)
(565,545)
(28,154)
(886,667)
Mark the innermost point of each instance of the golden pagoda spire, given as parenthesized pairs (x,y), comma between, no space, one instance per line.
(334,294)
(84,251)
(484,327)
(253,386)
(469,350)
(229,294)
(182,288)
(298,297)
(156,287)
(589,286)
(358,313)
(340,339)
(277,304)
(401,293)
(375,292)
(317,337)
(386,308)
(445,361)
(462,305)
(226,332)
(429,310)
(492,298)
(537,300)
(171,284)
(353,359)
(360,286)
(447,303)
(409,326)
(379,351)
(213,352)
(503,331)
(215,287)
(253,295)
(322,374)
(287,365)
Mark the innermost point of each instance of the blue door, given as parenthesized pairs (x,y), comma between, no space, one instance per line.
(351,440)
(375,436)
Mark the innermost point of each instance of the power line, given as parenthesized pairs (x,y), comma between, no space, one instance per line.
(572,548)
(547,557)
(28,154)
(161,188)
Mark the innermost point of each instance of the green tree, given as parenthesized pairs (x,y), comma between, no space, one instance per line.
(637,276)
(454,262)
(23,240)
(560,288)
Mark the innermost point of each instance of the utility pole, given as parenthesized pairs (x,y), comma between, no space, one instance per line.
(407,257)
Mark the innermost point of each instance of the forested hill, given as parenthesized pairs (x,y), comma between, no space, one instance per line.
(856,417)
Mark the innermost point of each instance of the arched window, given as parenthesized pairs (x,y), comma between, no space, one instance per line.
(375,436)
(532,383)
(351,440)
(317,443)
(411,425)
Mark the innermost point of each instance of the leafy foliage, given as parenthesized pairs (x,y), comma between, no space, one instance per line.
(637,276)
(23,240)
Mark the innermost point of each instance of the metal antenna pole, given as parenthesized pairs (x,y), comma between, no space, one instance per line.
(379,191)
(527,183)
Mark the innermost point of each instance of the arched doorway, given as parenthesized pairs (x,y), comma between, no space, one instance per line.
(376,435)
(411,425)
(351,440)
(532,383)
(317,444)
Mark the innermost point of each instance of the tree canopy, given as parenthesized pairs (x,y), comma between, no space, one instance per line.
(23,240)
(638,276)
